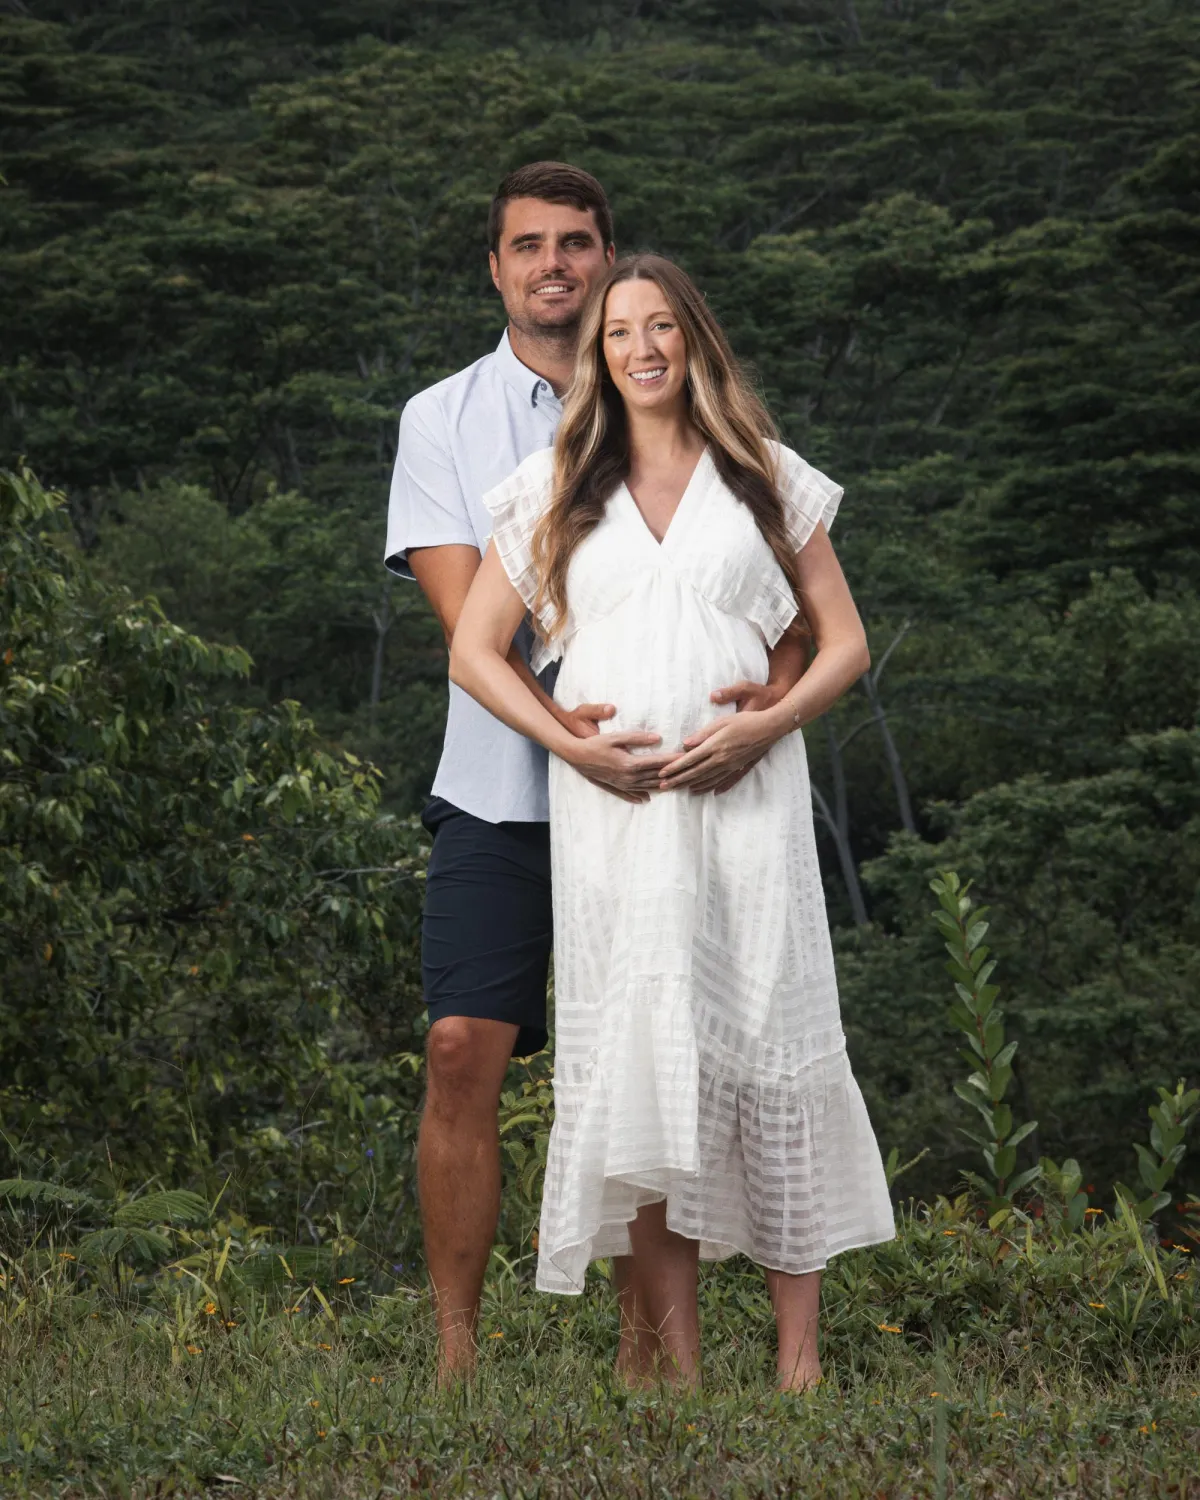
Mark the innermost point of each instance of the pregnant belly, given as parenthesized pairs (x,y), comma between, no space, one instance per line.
(659,672)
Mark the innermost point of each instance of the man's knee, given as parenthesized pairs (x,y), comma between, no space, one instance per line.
(464,1067)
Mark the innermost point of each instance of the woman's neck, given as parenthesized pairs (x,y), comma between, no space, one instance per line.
(658,436)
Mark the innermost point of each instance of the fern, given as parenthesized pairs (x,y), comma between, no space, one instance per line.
(172,1206)
(30,1190)
(107,1244)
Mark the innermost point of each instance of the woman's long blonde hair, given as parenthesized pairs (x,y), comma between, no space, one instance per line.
(591,451)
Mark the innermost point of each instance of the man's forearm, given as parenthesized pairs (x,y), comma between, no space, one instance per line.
(787,662)
(525,672)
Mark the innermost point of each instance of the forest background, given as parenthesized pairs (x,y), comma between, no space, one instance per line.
(960,246)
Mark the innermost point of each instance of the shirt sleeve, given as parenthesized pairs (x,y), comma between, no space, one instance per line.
(426,507)
(809,497)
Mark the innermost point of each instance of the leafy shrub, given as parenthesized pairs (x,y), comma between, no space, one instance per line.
(207,928)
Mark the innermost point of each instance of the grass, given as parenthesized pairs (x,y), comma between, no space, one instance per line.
(960,1360)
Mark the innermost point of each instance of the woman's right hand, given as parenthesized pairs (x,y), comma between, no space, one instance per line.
(605,760)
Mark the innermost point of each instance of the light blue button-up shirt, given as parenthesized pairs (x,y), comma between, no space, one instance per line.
(458,439)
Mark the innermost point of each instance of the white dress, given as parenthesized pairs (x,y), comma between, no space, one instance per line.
(699,1049)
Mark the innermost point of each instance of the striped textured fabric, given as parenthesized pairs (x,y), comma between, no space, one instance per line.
(699,1050)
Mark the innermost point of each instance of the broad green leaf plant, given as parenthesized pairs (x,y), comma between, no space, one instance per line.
(976,1014)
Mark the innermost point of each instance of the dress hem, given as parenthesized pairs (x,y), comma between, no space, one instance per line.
(567,1288)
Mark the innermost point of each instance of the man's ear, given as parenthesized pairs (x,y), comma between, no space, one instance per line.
(610,255)
(494,263)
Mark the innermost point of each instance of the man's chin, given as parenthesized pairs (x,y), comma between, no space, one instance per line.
(551,319)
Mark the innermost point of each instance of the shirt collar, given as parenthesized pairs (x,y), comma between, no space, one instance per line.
(529,385)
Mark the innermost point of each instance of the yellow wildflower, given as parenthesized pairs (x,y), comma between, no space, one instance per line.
(346,1281)
(65,1255)
(324,1346)
(1097,1304)
(889,1327)
(194,1349)
(210,1308)
(495,1334)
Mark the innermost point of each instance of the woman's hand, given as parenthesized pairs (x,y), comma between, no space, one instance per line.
(719,755)
(605,760)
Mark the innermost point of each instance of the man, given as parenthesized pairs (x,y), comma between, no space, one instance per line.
(486,938)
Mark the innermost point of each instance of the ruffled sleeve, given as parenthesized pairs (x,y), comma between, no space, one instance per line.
(808,496)
(515,506)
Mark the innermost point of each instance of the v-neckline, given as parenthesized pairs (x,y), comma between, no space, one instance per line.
(658,542)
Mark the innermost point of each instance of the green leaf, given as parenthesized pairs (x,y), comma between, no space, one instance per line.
(173,1206)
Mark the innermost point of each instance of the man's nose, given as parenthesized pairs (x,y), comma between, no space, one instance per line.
(553,261)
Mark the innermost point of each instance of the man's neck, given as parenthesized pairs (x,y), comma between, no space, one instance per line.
(550,355)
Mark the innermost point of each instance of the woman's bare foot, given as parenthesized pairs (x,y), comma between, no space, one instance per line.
(804,1377)
(797,1304)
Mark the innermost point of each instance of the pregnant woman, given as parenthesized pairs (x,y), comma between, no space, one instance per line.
(704,1101)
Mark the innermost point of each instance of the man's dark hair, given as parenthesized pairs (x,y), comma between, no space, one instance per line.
(552,182)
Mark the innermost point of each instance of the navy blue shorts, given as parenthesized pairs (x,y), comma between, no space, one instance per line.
(487,932)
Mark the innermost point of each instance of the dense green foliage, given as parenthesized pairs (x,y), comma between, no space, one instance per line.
(206,925)
(960,246)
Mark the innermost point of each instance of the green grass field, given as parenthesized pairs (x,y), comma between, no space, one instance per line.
(959,1360)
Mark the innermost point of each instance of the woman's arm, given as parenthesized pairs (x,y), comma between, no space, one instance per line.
(479,664)
(726,745)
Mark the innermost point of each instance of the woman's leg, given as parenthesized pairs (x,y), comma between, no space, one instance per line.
(797,1304)
(666,1286)
(640,1346)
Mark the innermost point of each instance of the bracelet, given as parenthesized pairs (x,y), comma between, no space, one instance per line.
(795,708)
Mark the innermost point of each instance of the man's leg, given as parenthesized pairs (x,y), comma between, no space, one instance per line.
(458,1174)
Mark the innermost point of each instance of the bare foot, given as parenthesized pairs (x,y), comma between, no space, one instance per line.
(802,1378)
(452,1374)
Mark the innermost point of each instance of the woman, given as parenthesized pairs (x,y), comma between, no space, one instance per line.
(704,1102)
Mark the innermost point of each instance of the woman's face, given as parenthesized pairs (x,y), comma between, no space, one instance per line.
(643,346)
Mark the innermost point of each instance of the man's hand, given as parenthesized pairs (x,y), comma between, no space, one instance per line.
(584,721)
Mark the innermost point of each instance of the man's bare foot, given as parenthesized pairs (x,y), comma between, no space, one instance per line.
(453,1375)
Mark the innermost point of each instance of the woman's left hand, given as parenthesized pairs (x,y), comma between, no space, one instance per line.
(719,755)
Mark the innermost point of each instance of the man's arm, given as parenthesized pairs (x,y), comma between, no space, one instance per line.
(445,575)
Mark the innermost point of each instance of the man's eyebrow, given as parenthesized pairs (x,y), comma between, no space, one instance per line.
(534,237)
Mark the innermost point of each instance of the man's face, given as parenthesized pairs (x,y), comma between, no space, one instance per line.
(550,258)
